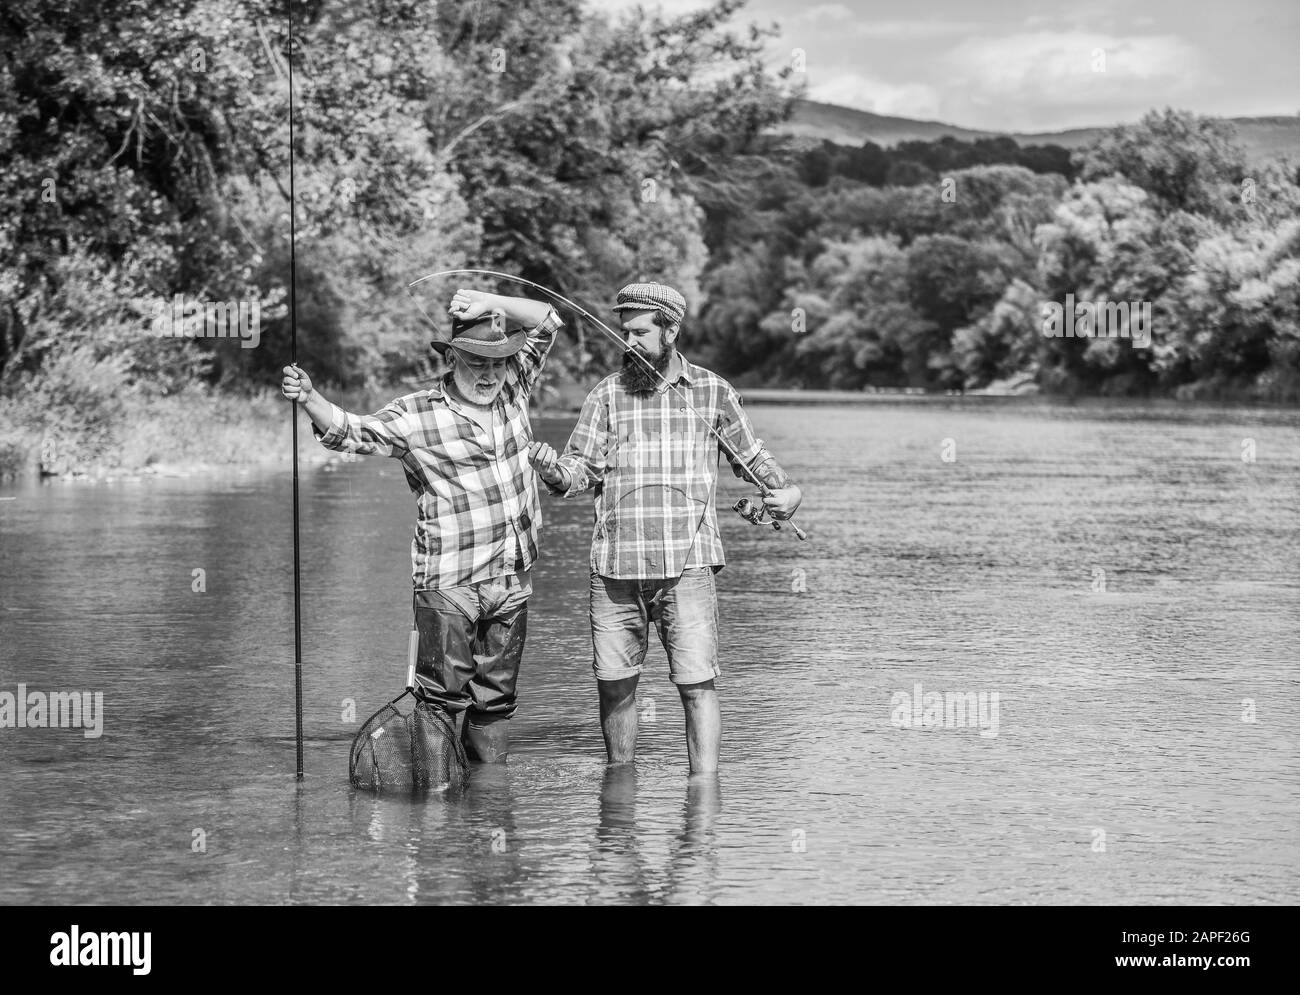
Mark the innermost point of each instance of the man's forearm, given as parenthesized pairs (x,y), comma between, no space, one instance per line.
(521,309)
(765,467)
(319,410)
(576,477)
(564,482)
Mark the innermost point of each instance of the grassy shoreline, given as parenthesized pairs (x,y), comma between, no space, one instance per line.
(197,430)
(202,429)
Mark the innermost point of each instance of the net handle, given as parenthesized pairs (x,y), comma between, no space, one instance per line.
(412,649)
(412,654)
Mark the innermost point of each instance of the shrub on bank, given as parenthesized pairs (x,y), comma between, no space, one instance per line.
(196,427)
(19,447)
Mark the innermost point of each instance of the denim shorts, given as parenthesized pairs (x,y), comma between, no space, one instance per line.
(685,611)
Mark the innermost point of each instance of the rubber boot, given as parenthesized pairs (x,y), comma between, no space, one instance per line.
(486,742)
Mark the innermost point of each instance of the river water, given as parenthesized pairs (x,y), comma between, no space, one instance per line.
(1124,582)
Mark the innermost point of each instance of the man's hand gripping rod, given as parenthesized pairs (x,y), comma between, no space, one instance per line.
(735,458)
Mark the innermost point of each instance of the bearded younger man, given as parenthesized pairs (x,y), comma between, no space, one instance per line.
(464,447)
(656,547)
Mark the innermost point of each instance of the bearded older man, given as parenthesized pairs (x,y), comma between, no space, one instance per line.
(464,447)
(656,546)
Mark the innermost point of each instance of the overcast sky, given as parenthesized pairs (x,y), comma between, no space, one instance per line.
(1014,65)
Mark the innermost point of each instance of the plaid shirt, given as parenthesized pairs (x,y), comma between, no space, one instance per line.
(654,466)
(478,511)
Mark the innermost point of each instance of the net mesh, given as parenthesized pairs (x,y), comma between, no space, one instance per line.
(415,751)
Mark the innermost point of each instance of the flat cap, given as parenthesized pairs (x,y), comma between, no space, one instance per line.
(652,296)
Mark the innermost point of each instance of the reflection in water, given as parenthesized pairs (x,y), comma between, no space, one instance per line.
(445,847)
(394,821)
(692,876)
(296,849)
(619,868)
(489,863)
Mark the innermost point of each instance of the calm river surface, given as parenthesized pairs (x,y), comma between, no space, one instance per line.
(1120,578)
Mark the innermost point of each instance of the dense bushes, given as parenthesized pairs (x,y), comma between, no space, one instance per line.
(144,154)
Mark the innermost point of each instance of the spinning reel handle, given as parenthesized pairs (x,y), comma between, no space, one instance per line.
(754,515)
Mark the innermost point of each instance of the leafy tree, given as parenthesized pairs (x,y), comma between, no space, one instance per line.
(950,282)
(120,124)
(1186,162)
(622,139)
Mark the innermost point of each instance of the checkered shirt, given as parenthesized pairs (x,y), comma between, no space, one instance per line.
(478,511)
(654,467)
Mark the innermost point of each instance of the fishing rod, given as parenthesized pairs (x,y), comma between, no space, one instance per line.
(751,513)
(293,413)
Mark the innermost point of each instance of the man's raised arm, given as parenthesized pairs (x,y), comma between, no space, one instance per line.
(541,320)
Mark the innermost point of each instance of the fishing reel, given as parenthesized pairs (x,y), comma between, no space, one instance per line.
(756,514)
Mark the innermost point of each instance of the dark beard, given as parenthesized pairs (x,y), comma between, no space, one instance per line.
(636,378)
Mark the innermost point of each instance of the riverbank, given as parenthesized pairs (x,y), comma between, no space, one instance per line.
(987,398)
(201,429)
(166,435)
(178,435)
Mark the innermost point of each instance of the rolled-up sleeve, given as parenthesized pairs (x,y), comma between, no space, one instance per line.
(527,362)
(585,457)
(734,427)
(384,433)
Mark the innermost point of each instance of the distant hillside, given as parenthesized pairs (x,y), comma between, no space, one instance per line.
(1262,137)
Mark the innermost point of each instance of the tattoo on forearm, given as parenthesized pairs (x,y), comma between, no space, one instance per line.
(770,473)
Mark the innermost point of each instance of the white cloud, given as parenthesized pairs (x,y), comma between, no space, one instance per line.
(1059,67)
(1032,81)
(817,15)
(916,100)
(912,29)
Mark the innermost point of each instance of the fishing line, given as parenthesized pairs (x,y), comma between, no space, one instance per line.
(735,457)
